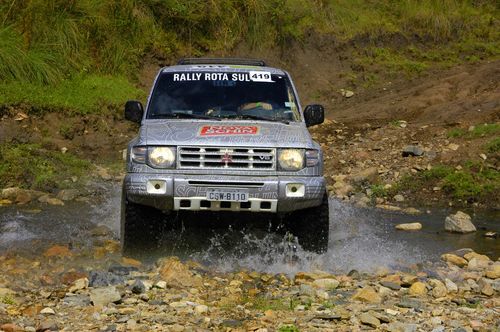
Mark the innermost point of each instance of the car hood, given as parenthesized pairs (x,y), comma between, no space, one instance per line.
(223,133)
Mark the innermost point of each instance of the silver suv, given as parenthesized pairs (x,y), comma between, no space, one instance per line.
(225,135)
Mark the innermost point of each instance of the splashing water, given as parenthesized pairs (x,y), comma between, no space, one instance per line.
(362,239)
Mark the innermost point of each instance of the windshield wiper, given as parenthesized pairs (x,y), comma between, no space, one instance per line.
(263,118)
(188,116)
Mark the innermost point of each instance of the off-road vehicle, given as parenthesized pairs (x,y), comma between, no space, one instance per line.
(225,135)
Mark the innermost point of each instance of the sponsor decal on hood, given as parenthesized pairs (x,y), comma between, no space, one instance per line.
(228,130)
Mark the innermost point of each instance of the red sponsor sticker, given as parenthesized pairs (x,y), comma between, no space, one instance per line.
(228,130)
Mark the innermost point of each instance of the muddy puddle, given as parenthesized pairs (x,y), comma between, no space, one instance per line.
(362,239)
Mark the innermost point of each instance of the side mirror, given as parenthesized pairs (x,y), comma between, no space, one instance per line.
(314,115)
(134,111)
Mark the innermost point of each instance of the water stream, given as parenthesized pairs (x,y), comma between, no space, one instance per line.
(362,239)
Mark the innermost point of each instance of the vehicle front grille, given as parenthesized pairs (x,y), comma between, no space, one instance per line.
(226,158)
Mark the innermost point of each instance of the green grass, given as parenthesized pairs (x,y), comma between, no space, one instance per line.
(482,130)
(47,169)
(83,54)
(288,328)
(474,182)
(81,94)
(493,146)
(7,300)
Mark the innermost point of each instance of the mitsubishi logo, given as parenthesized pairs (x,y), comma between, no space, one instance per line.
(226,158)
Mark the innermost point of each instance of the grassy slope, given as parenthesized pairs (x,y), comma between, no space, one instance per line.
(81,56)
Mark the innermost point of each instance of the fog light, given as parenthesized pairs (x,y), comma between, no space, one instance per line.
(295,190)
(156,187)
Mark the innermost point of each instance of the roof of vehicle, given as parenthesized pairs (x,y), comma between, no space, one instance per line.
(222,65)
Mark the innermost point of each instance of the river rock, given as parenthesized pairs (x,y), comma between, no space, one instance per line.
(79,284)
(47,311)
(439,289)
(412,150)
(459,222)
(477,264)
(368,295)
(485,287)
(367,319)
(327,284)
(493,272)
(177,274)
(50,200)
(414,226)
(138,287)
(67,194)
(11,328)
(103,278)
(58,251)
(454,259)
(418,289)
(104,295)
(399,198)
(471,255)
(451,286)
(47,325)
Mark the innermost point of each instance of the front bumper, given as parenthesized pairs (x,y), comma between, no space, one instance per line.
(188,192)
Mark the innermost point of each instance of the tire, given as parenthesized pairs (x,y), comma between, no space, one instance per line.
(141,226)
(311,226)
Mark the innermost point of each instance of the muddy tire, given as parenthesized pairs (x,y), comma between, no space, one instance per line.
(311,226)
(141,226)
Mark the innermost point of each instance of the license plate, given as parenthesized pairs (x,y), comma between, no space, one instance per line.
(230,195)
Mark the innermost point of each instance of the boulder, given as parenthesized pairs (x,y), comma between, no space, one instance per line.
(493,272)
(412,150)
(368,295)
(104,295)
(177,274)
(454,259)
(418,289)
(459,223)
(414,226)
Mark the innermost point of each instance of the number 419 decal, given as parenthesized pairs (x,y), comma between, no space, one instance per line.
(260,76)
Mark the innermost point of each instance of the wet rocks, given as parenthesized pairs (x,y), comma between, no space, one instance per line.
(415,226)
(493,272)
(104,295)
(454,259)
(67,194)
(58,251)
(50,200)
(459,223)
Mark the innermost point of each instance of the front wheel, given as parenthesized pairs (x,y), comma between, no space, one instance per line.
(141,226)
(312,226)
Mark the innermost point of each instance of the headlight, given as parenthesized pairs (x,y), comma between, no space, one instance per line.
(291,159)
(161,157)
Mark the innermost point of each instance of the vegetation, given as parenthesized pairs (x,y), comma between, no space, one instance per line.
(288,328)
(75,45)
(486,129)
(472,183)
(47,169)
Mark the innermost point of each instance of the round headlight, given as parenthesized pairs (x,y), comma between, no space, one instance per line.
(291,159)
(161,157)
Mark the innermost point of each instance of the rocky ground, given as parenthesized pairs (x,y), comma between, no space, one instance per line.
(72,289)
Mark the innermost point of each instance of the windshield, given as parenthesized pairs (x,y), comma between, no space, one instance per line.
(252,95)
